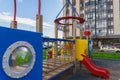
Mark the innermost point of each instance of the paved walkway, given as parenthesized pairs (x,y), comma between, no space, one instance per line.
(112,65)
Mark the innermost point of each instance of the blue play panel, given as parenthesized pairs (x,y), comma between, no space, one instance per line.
(20,55)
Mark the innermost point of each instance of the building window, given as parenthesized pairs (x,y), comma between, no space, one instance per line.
(110,31)
(104,23)
(112,23)
(86,1)
(104,6)
(109,0)
(110,15)
(111,7)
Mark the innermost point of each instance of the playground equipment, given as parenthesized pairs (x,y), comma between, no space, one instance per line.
(81,47)
(59,61)
(17,44)
(27,55)
(96,70)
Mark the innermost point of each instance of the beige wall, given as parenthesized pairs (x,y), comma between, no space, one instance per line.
(78,11)
(116,17)
(64,11)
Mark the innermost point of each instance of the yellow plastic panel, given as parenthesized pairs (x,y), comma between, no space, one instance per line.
(81,48)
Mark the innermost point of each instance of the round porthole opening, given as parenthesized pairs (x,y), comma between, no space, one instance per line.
(19,59)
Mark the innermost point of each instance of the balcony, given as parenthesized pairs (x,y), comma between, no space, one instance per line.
(81,1)
(81,8)
(110,27)
(109,10)
(82,15)
(109,18)
(109,2)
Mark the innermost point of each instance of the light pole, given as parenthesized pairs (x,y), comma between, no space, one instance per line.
(90,17)
(95,21)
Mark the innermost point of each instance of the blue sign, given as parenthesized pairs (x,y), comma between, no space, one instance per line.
(89,47)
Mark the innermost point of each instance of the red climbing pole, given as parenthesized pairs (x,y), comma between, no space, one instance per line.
(14,10)
(39,7)
(14,22)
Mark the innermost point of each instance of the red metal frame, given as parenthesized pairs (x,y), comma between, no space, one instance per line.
(14,10)
(39,7)
(81,20)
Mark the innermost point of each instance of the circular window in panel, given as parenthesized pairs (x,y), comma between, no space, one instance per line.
(18,59)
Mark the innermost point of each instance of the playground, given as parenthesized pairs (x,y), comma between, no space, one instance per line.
(84,74)
(27,55)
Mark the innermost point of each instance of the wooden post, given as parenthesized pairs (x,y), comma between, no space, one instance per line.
(74,46)
(39,23)
(56,30)
(87,37)
(56,36)
(13,24)
(81,34)
(64,35)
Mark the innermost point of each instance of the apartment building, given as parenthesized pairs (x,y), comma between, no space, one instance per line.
(102,17)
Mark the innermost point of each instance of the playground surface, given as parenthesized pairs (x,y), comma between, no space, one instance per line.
(112,65)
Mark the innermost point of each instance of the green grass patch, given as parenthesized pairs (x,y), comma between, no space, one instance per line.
(115,56)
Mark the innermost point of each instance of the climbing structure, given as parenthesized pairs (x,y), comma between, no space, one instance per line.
(27,55)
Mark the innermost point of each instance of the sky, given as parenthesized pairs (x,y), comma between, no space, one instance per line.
(26,14)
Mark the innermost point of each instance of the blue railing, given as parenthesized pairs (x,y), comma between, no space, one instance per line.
(54,39)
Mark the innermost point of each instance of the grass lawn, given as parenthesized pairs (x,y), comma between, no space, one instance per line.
(105,55)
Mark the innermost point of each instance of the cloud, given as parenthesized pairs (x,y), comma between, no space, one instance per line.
(48,34)
(6,17)
(61,1)
(5,13)
(47,26)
